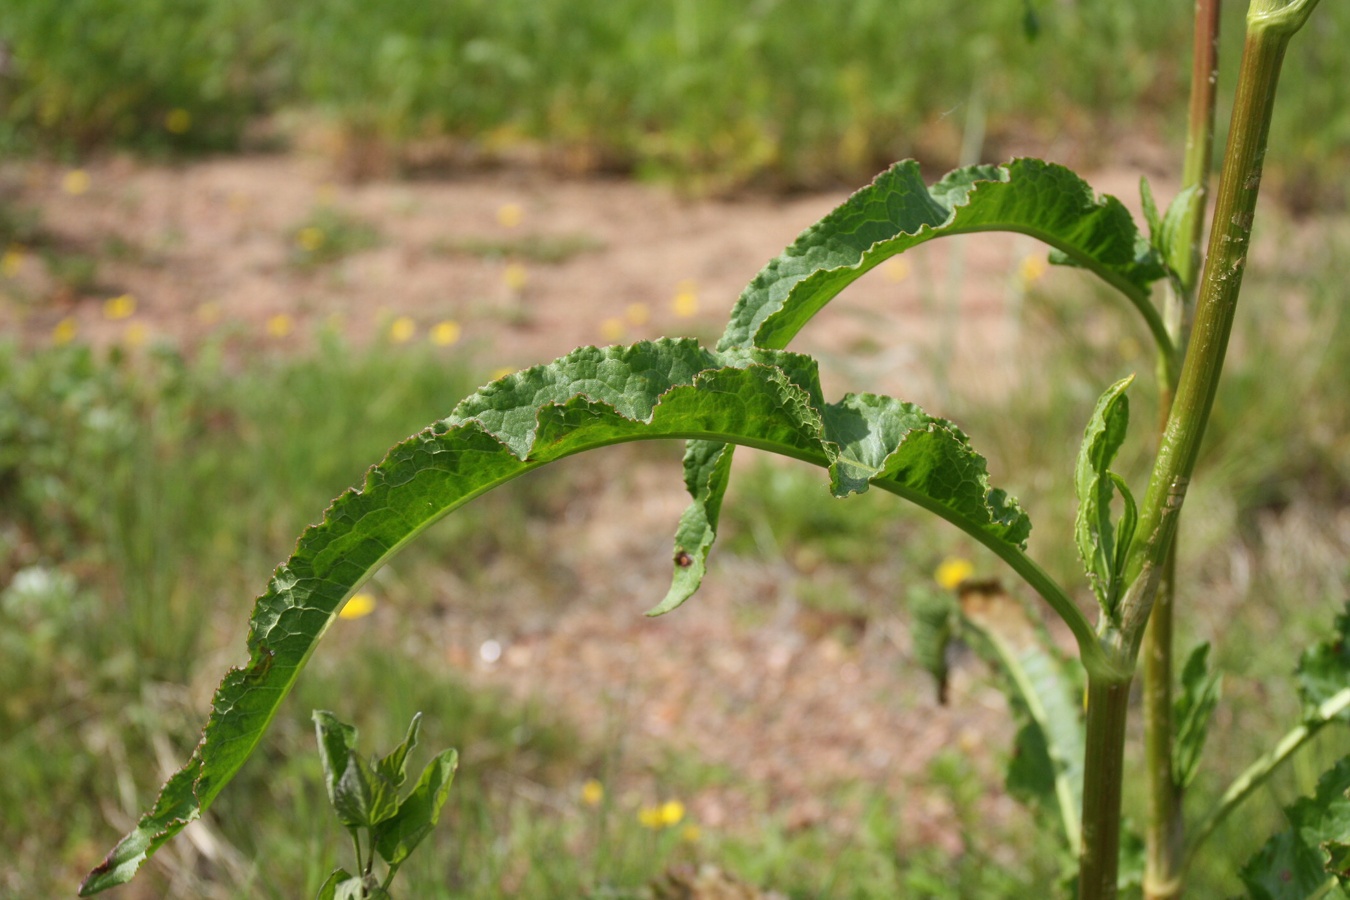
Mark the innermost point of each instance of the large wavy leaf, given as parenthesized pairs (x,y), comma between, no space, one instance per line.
(590,398)
(896,213)
(1312,857)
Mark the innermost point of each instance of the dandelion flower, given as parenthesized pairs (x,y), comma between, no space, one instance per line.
(896,269)
(122,306)
(445,333)
(510,215)
(178,121)
(612,329)
(515,276)
(137,333)
(12,261)
(75,182)
(64,332)
(310,238)
(686,300)
(952,571)
(1032,270)
(280,325)
(592,792)
(501,372)
(402,330)
(691,833)
(358,607)
(672,812)
(638,314)
(650,817)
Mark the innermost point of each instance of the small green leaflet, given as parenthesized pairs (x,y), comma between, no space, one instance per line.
(1102,545)
(591,398)
(1324,669)
(1309,858)
(1192,710)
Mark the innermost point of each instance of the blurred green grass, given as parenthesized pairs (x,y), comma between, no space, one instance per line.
(780,92)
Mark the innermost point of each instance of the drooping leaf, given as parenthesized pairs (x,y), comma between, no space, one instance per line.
(590,398)
(419,812)
(1307,858)
(1095,485)
(933,619)
(1050,746)
(394,766)
(1324,669)
(896,213)
(1192,710)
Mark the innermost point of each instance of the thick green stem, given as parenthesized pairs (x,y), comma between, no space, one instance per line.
(1267,37)
(1103,776)
(1165,832)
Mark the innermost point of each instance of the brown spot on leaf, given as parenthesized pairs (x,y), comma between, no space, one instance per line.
(683,560)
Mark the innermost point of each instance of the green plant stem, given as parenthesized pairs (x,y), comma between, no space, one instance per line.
(1165,834)
(1256,774)
(1225,262)
(1103,776)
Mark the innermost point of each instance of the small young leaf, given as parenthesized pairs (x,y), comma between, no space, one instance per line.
(1170,237)
(1302,861)
(393,767)
(1095,486)
(419,812)
(364,797)
(337,741)
(1151,215)
(1324,669)
(337,885)
(1200,691)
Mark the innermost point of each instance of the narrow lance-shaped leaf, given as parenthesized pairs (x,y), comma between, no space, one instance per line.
(1095,485)
(589,399)
(898,212)
(1192,710)
(337,741)
(394,765)
(1309,858)
(1052,742)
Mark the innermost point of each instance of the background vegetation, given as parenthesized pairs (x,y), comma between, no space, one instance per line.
(783,92)
(144,494)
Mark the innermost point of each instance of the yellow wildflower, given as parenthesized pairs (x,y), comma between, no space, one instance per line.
(310,238)
(445,333)
(208,313)
(64,332)
(896,269)
(686,300)
(509,215)
(280,325)
(1032,270)
(119,307)
(638,314)
(691,833)
(359,606)
(136,334)
(667,814)
(501,372)
(592,792)
(12,261)
(515,276)
(952,571)
(402,330)
(75,182)
(612,329)
(178,121)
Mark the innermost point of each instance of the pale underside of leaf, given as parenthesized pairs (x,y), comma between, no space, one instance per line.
(591,398)
(896,213)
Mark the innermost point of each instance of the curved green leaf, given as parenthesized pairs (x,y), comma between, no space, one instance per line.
(1192,711)
(590,398)
(896,213)
(1324,670)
